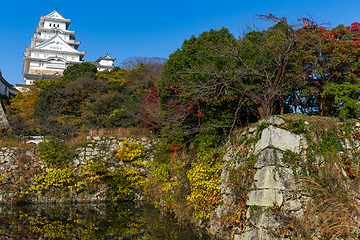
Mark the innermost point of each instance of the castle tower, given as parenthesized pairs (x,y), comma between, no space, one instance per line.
(53,48)
(103,63)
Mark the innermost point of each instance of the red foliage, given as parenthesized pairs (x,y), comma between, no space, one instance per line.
(151,109)
(174,150)
(355,27)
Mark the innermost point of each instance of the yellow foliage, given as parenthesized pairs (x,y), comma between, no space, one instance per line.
(204,179)
(95,170)
(130,152)
(53,178)
(114,77)
(22,104)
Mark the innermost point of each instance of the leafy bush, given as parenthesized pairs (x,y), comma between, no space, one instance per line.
(53,178)
(130,152)
(55,152)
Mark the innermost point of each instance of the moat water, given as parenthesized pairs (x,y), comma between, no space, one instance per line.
(92,221)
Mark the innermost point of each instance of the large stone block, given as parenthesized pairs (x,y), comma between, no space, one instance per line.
(265,218)
(255,234)
(292,205)
(278,138)
(265,198)
(269,157)
(268,178)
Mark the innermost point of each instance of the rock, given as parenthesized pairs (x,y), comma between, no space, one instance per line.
(225,180)
(270,177)
(269,157)
(76,162)
(229,155)
(273,120)
(347,144)
(251,130)
(303,142)
(9,160)
(265,198)
(278,138)
(255,234)
(292,205)
(265,219)
(215,223)
(299,214)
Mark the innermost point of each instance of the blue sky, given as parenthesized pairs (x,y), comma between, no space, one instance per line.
(147,28)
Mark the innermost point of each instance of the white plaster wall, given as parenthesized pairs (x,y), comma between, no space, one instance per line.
(62,26)
(106,62)
(51,24)
(28,82)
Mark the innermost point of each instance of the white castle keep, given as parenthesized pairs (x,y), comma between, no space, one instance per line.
(53,48)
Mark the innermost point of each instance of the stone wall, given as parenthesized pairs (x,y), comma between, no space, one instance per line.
(271,198)
(13,165)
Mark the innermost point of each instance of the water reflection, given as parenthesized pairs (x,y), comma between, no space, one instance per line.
(91,221)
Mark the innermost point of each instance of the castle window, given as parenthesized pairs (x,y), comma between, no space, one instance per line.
(50,24)
(58,25)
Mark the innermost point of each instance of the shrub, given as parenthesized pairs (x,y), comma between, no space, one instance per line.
(124,180)
(55,152)
(53,178)
(130,152)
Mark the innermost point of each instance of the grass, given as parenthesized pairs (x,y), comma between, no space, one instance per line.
(333,210)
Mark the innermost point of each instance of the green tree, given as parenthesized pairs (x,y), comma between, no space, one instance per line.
(134,89)
(216,79)
(63,109)
(195,89)
(327,69)
(77,70)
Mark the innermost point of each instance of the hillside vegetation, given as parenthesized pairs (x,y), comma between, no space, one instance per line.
(208,91)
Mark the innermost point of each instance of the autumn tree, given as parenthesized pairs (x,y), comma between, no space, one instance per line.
(82,103)
(137,91)
(21,112)
(263,59)
(192,92)
(216,79)
(326,67)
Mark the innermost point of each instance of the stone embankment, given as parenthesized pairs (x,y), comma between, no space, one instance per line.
(273,200)
(271,187)
(15,164)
